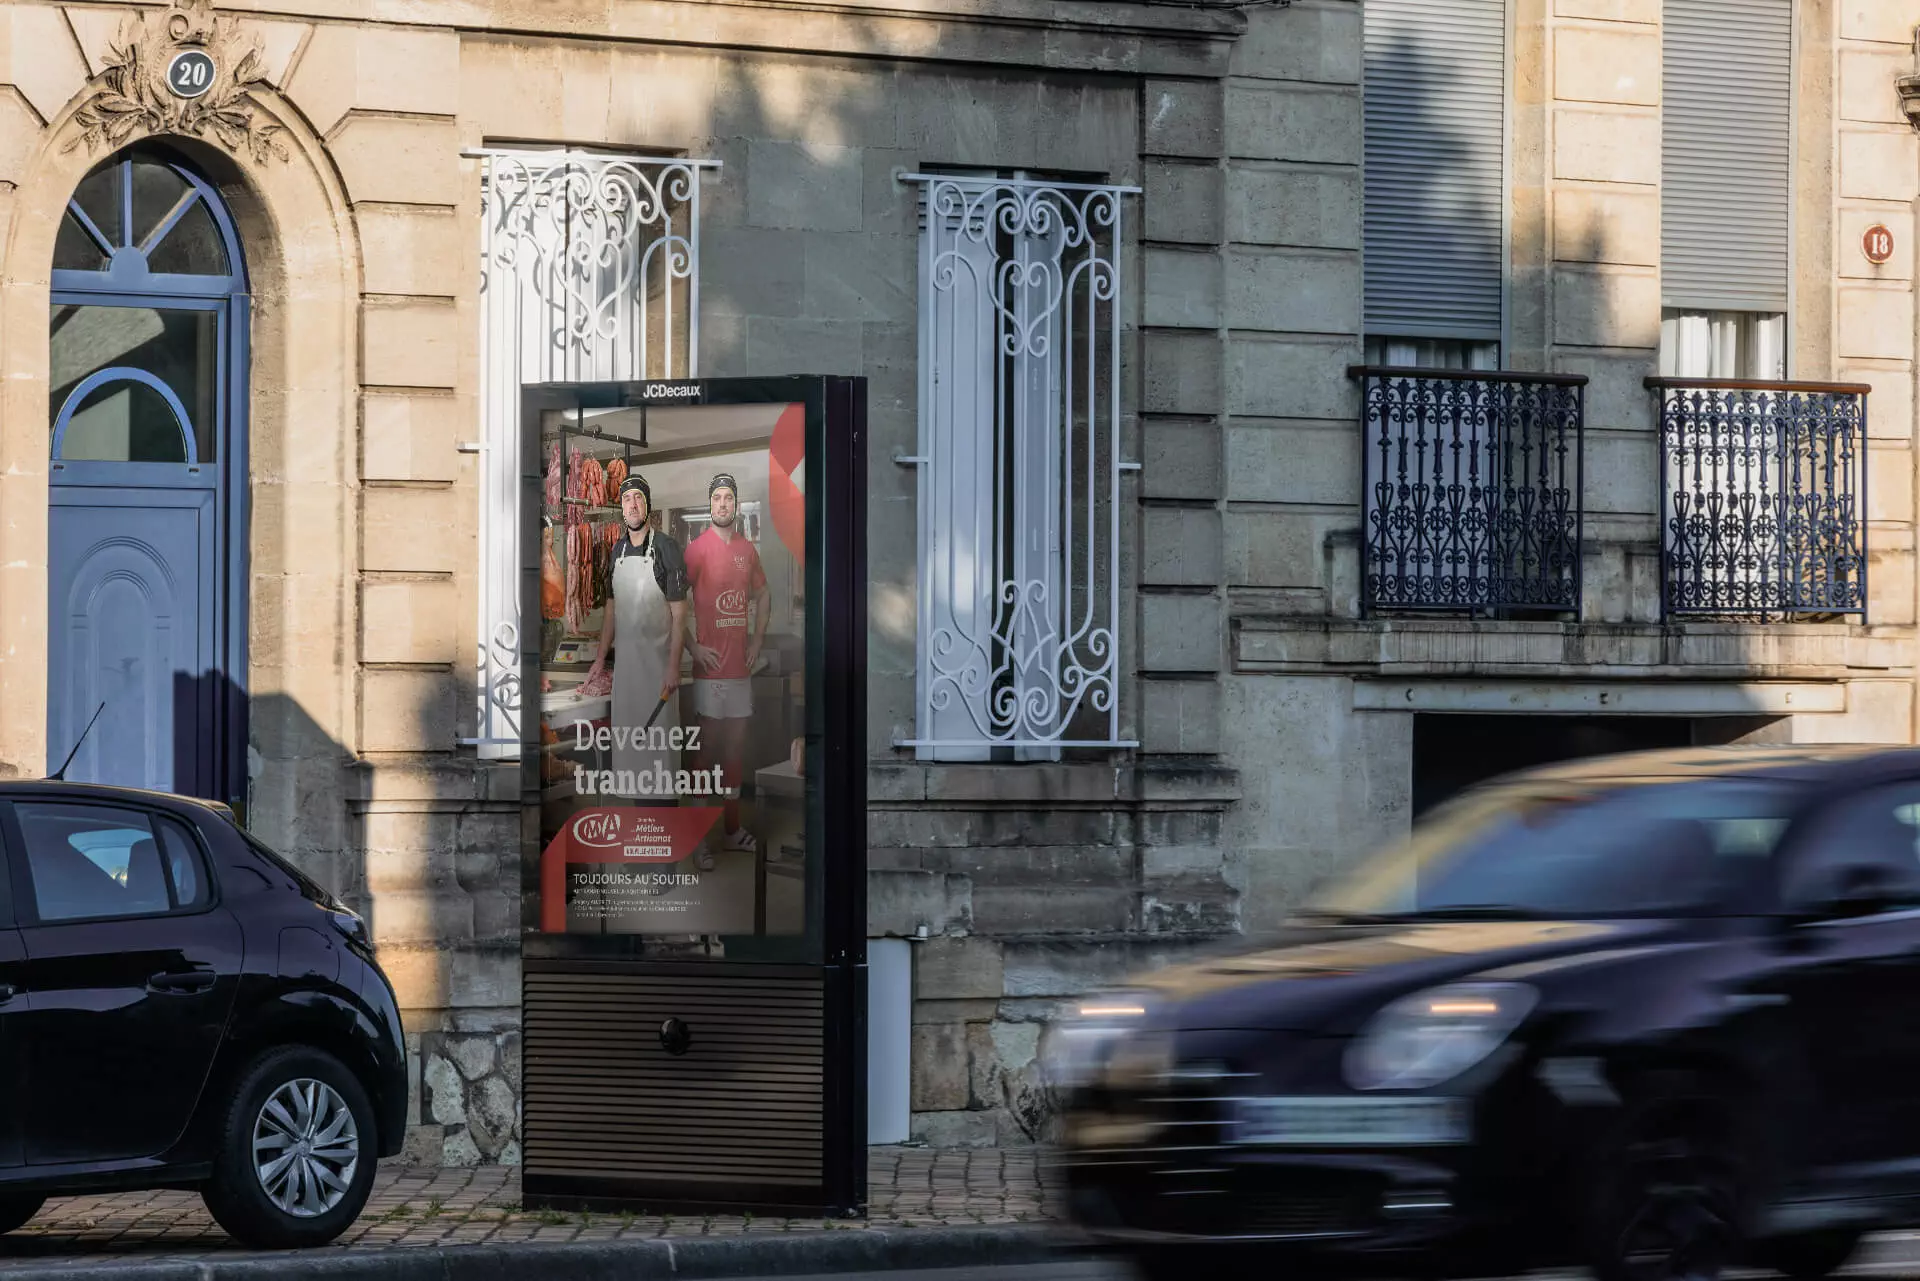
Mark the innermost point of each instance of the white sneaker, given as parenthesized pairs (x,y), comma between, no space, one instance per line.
(742,840)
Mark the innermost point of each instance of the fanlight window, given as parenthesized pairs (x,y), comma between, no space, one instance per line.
(146,276)
(141,215)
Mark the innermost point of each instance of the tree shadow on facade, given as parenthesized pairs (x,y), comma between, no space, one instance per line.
(812,264)
(1431,221)
(283,770)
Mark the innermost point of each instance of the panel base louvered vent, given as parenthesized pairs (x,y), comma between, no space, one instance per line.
(610,1114)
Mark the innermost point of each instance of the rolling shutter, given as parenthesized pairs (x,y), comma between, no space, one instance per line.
(1435,129)
(1725,152)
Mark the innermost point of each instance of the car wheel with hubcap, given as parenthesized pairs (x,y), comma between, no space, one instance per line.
(295,1162)
(17,1211)
(1665,1203)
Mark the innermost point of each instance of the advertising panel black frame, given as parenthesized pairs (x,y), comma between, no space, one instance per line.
(592,1054)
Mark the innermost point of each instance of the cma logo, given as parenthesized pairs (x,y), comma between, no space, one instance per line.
(598,831)
(732,601)
(671,391)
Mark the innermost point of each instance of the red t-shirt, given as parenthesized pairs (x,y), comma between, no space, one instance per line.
(725,577)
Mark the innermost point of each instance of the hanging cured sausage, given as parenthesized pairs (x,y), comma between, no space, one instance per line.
(616,475)
(576,485)
(603,562)
(576,581)
(553,581)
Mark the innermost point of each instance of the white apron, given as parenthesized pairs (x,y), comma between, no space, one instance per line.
(642,631)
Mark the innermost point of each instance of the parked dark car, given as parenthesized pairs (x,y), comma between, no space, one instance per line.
(1657,1015)
(181,1008)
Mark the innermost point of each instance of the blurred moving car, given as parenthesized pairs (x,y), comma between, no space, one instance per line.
(1656,1014)
(181,1008)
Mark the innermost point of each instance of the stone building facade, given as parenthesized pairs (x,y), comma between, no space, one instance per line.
(1292,712)
(1267,720)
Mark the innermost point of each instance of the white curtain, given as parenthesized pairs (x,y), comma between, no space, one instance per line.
(1433,353)
(1723,344)
(1729,455)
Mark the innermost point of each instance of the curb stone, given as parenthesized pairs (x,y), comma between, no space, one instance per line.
(694,1258)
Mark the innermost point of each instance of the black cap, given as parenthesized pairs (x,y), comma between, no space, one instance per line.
(722,481)
(635,480)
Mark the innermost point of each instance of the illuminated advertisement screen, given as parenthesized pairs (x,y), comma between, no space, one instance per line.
(672,675)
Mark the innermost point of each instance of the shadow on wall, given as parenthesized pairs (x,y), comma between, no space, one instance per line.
(1576,293)
(438,883)
(1581,296)
(285,785)
(811,264)
(811,250)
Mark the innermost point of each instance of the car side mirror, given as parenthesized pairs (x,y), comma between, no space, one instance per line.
(1859,889)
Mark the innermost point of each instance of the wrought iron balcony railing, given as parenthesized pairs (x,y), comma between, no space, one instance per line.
(1763,507)
(1471,484)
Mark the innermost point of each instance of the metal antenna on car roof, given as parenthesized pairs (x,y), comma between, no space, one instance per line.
(60,775)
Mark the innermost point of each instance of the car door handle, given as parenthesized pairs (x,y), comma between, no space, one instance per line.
(181,981)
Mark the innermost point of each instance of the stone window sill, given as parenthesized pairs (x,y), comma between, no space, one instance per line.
(1170,781)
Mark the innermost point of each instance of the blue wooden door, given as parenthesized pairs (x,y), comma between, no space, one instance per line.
(132,575)
(146,552)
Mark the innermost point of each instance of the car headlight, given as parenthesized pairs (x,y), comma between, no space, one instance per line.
(1433,1036)
(1081,1043)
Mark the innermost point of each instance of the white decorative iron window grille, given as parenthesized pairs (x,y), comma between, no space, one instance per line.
(1019,467)
(590,271)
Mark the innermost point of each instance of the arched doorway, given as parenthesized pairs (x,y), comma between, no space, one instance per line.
(146,522)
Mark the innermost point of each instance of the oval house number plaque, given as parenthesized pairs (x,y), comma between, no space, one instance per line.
(190,74)
(1877,244)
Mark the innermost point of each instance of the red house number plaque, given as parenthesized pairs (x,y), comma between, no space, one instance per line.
(1877,244)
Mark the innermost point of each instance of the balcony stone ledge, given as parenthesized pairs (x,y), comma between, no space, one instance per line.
(1691,651)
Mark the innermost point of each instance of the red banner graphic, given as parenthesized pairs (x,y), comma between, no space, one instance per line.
(787,479)
(646,834)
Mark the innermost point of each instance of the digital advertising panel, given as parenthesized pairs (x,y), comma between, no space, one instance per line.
(693,765)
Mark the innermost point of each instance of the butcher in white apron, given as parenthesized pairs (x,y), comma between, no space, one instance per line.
(648,616)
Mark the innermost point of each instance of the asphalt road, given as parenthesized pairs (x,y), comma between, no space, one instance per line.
(1889,1256)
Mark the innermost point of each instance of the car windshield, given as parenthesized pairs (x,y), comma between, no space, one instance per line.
(1658,849)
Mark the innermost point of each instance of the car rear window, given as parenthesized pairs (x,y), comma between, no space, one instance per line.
(308,886)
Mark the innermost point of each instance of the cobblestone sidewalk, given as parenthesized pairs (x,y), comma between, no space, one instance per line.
(907,1187)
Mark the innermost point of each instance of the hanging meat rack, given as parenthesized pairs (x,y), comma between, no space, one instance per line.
(590,515)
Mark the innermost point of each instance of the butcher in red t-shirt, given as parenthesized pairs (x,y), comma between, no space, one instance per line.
(729,624)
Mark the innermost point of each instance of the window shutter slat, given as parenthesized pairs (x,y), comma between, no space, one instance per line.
(1725,153)
(1435,120)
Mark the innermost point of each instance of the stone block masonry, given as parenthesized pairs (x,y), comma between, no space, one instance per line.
(1271,752)
(1124,870)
